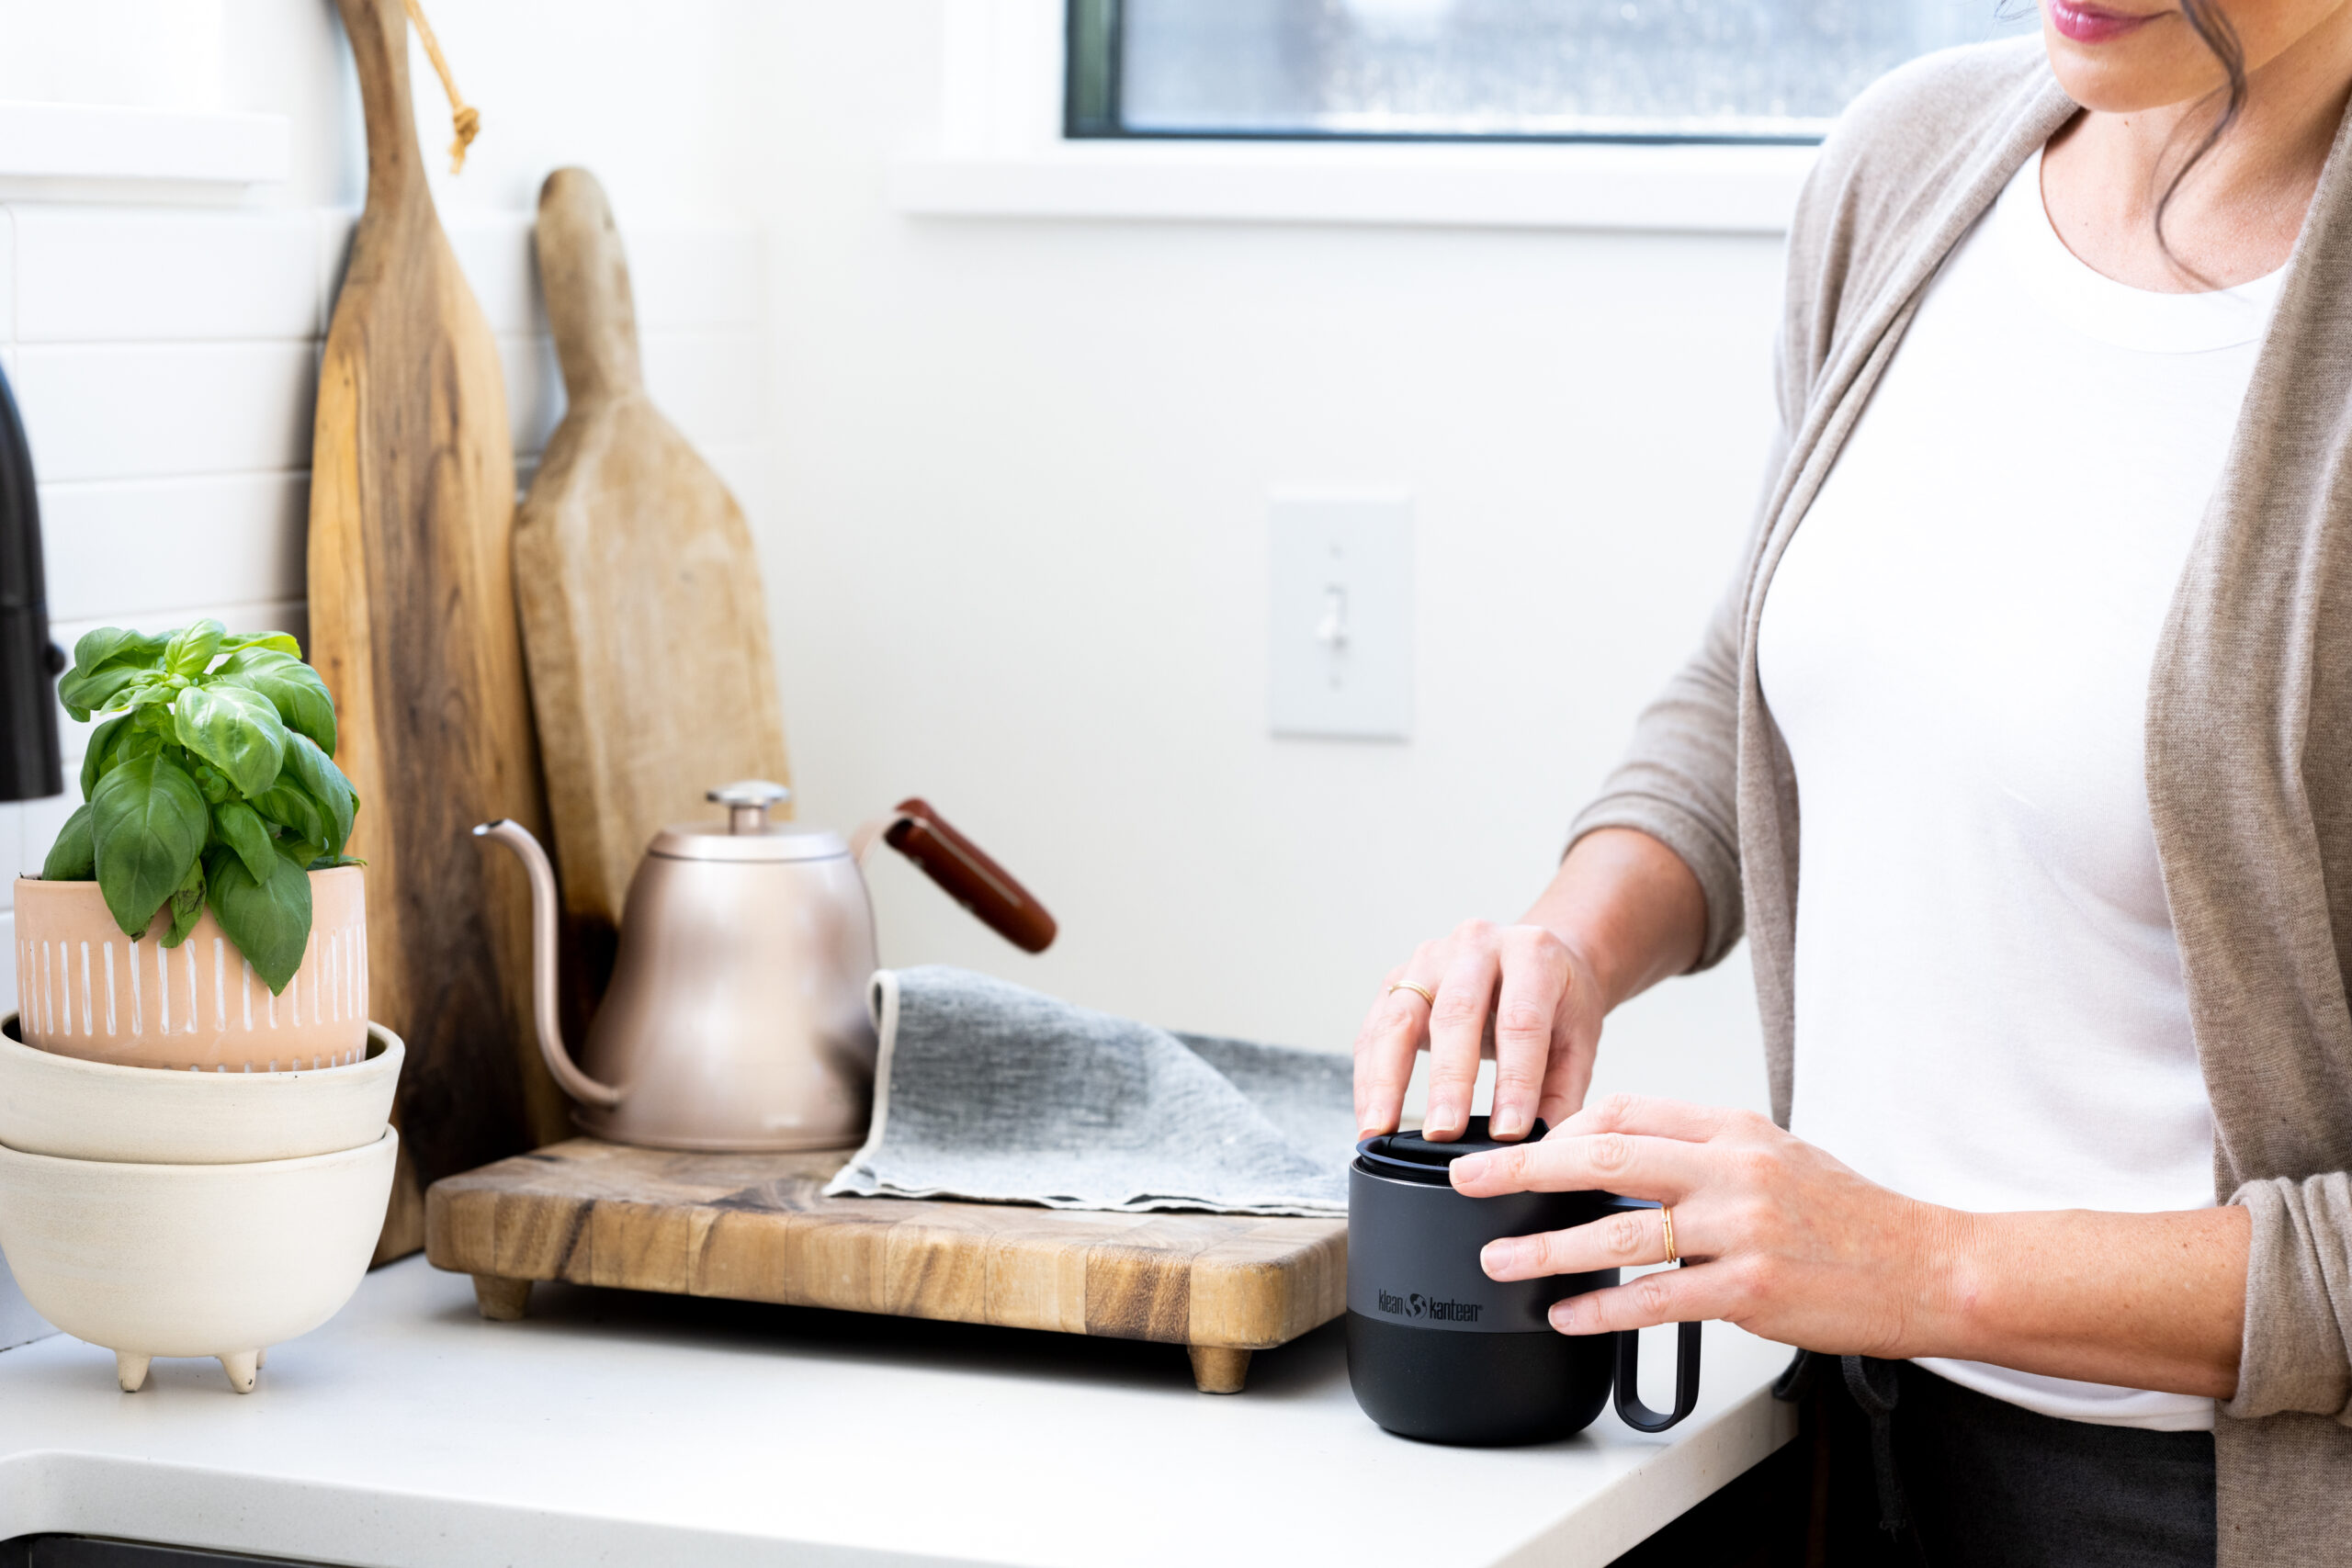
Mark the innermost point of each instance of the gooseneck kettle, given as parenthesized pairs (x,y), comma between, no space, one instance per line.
(736,1019)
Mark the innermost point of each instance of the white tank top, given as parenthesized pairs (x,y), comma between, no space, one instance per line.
(1957,648)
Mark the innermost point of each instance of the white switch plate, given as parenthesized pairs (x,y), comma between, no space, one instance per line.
(1340,632)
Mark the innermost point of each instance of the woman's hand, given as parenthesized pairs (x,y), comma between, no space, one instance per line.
(1520,994)
(1622,913)
(1784,1241)
(1776,1237)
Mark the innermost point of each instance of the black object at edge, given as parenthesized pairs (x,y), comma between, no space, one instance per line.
(29,661)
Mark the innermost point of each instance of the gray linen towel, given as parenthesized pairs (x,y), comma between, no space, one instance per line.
(986,1090)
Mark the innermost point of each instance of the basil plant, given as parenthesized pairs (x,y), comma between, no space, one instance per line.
(214,786)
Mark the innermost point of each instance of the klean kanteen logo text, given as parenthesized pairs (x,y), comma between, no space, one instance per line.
(1416,1305)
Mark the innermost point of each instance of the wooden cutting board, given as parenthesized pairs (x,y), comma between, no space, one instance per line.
(413,625)
(759,1228)
(643,617)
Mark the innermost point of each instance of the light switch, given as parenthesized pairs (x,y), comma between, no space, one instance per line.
(1340,639)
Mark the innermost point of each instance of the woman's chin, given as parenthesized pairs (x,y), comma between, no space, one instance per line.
(2149,69)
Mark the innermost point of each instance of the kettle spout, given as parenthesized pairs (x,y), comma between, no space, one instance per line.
(577,1084)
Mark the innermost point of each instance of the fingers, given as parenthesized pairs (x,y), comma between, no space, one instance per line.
(1392,1035)
(1653,1118)
(1628,1239)
(1535,980)
(1666,1169)
(1695,1294)
(1458,1028)
(1566,1079)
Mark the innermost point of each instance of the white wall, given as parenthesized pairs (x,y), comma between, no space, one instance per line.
(1017,556)
(1013,526)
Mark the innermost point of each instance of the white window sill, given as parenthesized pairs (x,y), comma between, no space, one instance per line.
(1684,188)
(84,143)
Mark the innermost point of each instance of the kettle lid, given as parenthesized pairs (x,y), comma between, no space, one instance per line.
(775,841)
(747,834)
(1408,1156)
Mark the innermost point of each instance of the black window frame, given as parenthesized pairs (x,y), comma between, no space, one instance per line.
(1093,62)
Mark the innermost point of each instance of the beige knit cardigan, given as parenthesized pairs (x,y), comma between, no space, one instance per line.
(2249,735)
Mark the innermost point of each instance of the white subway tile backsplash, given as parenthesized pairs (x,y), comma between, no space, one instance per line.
(332,253)
(12,850)
(496,252)
(8,277)
(105,412)
(696,279)
(90,275)
(131,548)
(41,820)
(708,383)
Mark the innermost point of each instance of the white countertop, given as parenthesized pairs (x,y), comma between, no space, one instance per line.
(617,1428)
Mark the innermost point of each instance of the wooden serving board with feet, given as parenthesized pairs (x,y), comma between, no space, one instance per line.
(759,1228)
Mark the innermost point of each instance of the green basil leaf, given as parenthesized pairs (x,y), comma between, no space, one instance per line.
(94,692)
(240,827)
(291,685)
(236,730)
(324,784)
(286,805)
(267,918)
(110,644)
(147,823)
(192,647)
(72,859)
(188,904)
(281,642)
(211,782)
(98,756)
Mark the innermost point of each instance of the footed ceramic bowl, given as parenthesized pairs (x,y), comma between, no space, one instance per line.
(85,990)
(78,1110)
(220,1261)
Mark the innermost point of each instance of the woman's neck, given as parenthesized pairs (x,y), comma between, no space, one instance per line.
(2237,213)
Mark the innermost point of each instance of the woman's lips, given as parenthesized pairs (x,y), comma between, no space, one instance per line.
(2094,24)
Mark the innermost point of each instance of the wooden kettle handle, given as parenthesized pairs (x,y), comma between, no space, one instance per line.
(968,875)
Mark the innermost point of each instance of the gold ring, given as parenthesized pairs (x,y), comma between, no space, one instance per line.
(1422,991)
(1666,1218)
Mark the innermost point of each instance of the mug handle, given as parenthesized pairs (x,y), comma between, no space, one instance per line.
(1630,1408)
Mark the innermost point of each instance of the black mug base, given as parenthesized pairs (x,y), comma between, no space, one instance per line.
(1478,1389)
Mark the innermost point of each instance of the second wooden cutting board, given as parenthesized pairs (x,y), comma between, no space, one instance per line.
(413,627)
(642,612)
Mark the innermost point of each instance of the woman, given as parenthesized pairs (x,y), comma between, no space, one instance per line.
(2047,622)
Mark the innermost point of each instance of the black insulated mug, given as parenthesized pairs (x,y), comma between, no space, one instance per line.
(1437,1350)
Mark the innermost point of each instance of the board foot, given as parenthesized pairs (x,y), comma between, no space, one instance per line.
(1216,1369)
(501,1299)
(130,1370)
(242,1367)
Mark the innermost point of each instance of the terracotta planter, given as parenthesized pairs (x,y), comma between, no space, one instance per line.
(86,990)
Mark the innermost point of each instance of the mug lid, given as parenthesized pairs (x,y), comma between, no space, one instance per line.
(1408,1156)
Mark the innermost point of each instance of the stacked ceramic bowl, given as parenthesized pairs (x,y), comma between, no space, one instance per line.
(179,1210)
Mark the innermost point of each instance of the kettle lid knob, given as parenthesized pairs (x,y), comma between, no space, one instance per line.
(747,802)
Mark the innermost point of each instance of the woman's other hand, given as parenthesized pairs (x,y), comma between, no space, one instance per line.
(1778,1236)
(1622,913)
(1784,1241)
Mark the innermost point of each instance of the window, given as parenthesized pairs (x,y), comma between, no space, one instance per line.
(1498,70)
